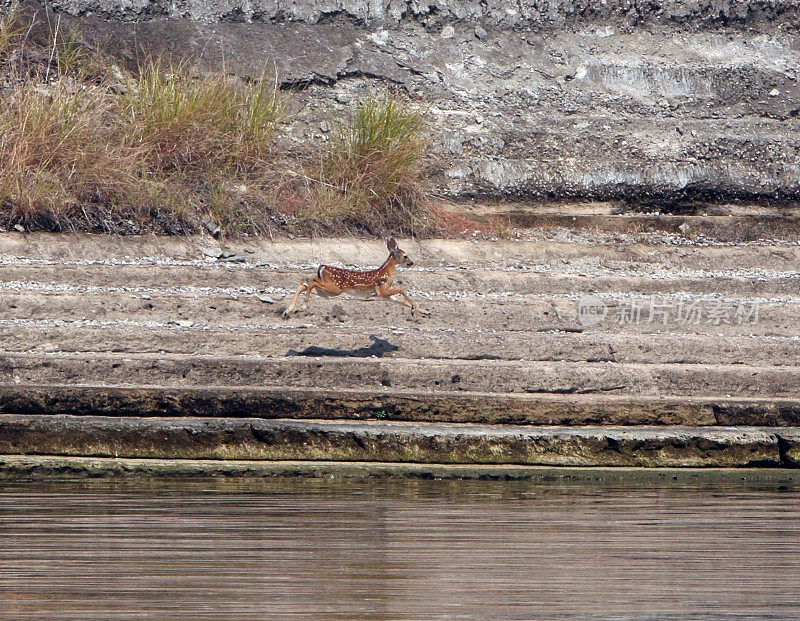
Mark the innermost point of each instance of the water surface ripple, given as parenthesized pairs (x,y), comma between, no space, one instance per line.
(377,550)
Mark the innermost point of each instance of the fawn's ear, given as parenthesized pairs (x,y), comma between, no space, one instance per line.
(391,245)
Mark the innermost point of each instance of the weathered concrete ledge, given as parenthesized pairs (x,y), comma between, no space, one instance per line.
(39,467)
(399,404)
(500,13)
(363,441)
(412,374)
(729,228)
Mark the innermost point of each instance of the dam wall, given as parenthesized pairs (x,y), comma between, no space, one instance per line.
(659,101)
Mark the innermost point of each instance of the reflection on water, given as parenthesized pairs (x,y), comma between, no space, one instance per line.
(378,550)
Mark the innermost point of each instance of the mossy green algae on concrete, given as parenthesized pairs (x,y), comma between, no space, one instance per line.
(386,441)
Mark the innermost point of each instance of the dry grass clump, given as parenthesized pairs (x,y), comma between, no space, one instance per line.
(86,145)
(82,147)
(58,150)
(370,176)
(199,124)
(10,32)
(206,141)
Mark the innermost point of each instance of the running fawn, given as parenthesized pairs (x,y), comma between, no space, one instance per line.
(335,280)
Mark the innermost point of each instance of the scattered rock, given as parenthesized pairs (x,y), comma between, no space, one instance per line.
(212,226)
(120,86)
(480,32)
(379,38)
(19,227)
(337,312)
(181,323)
(266,299)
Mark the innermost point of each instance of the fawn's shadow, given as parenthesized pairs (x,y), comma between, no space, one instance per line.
(378,348)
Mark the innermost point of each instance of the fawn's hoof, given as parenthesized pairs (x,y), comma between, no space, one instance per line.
(286,314)
(421,311)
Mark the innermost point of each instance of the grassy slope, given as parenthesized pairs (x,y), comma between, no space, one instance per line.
(85,145)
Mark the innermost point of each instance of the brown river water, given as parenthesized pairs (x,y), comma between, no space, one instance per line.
(350,549)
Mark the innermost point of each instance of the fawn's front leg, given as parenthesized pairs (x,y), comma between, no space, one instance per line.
(386,292)
(290,309)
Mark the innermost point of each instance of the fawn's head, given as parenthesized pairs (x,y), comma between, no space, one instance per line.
(399,255)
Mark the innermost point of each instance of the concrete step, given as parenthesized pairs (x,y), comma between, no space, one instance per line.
(259,439)
(556,250)
(523,279)
(230,474)
(398,404)
(664,311)
(353,339)
(152,328)
(53,298)
(431,376)
(720,228)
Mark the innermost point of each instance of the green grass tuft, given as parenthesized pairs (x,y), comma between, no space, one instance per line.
(70,55)
(370,175)
(10,32)
(192,123)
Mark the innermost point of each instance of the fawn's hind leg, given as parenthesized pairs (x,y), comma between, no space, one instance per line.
(309,287)
(312,284)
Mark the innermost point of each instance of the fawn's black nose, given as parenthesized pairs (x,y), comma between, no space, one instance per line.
(409,262)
